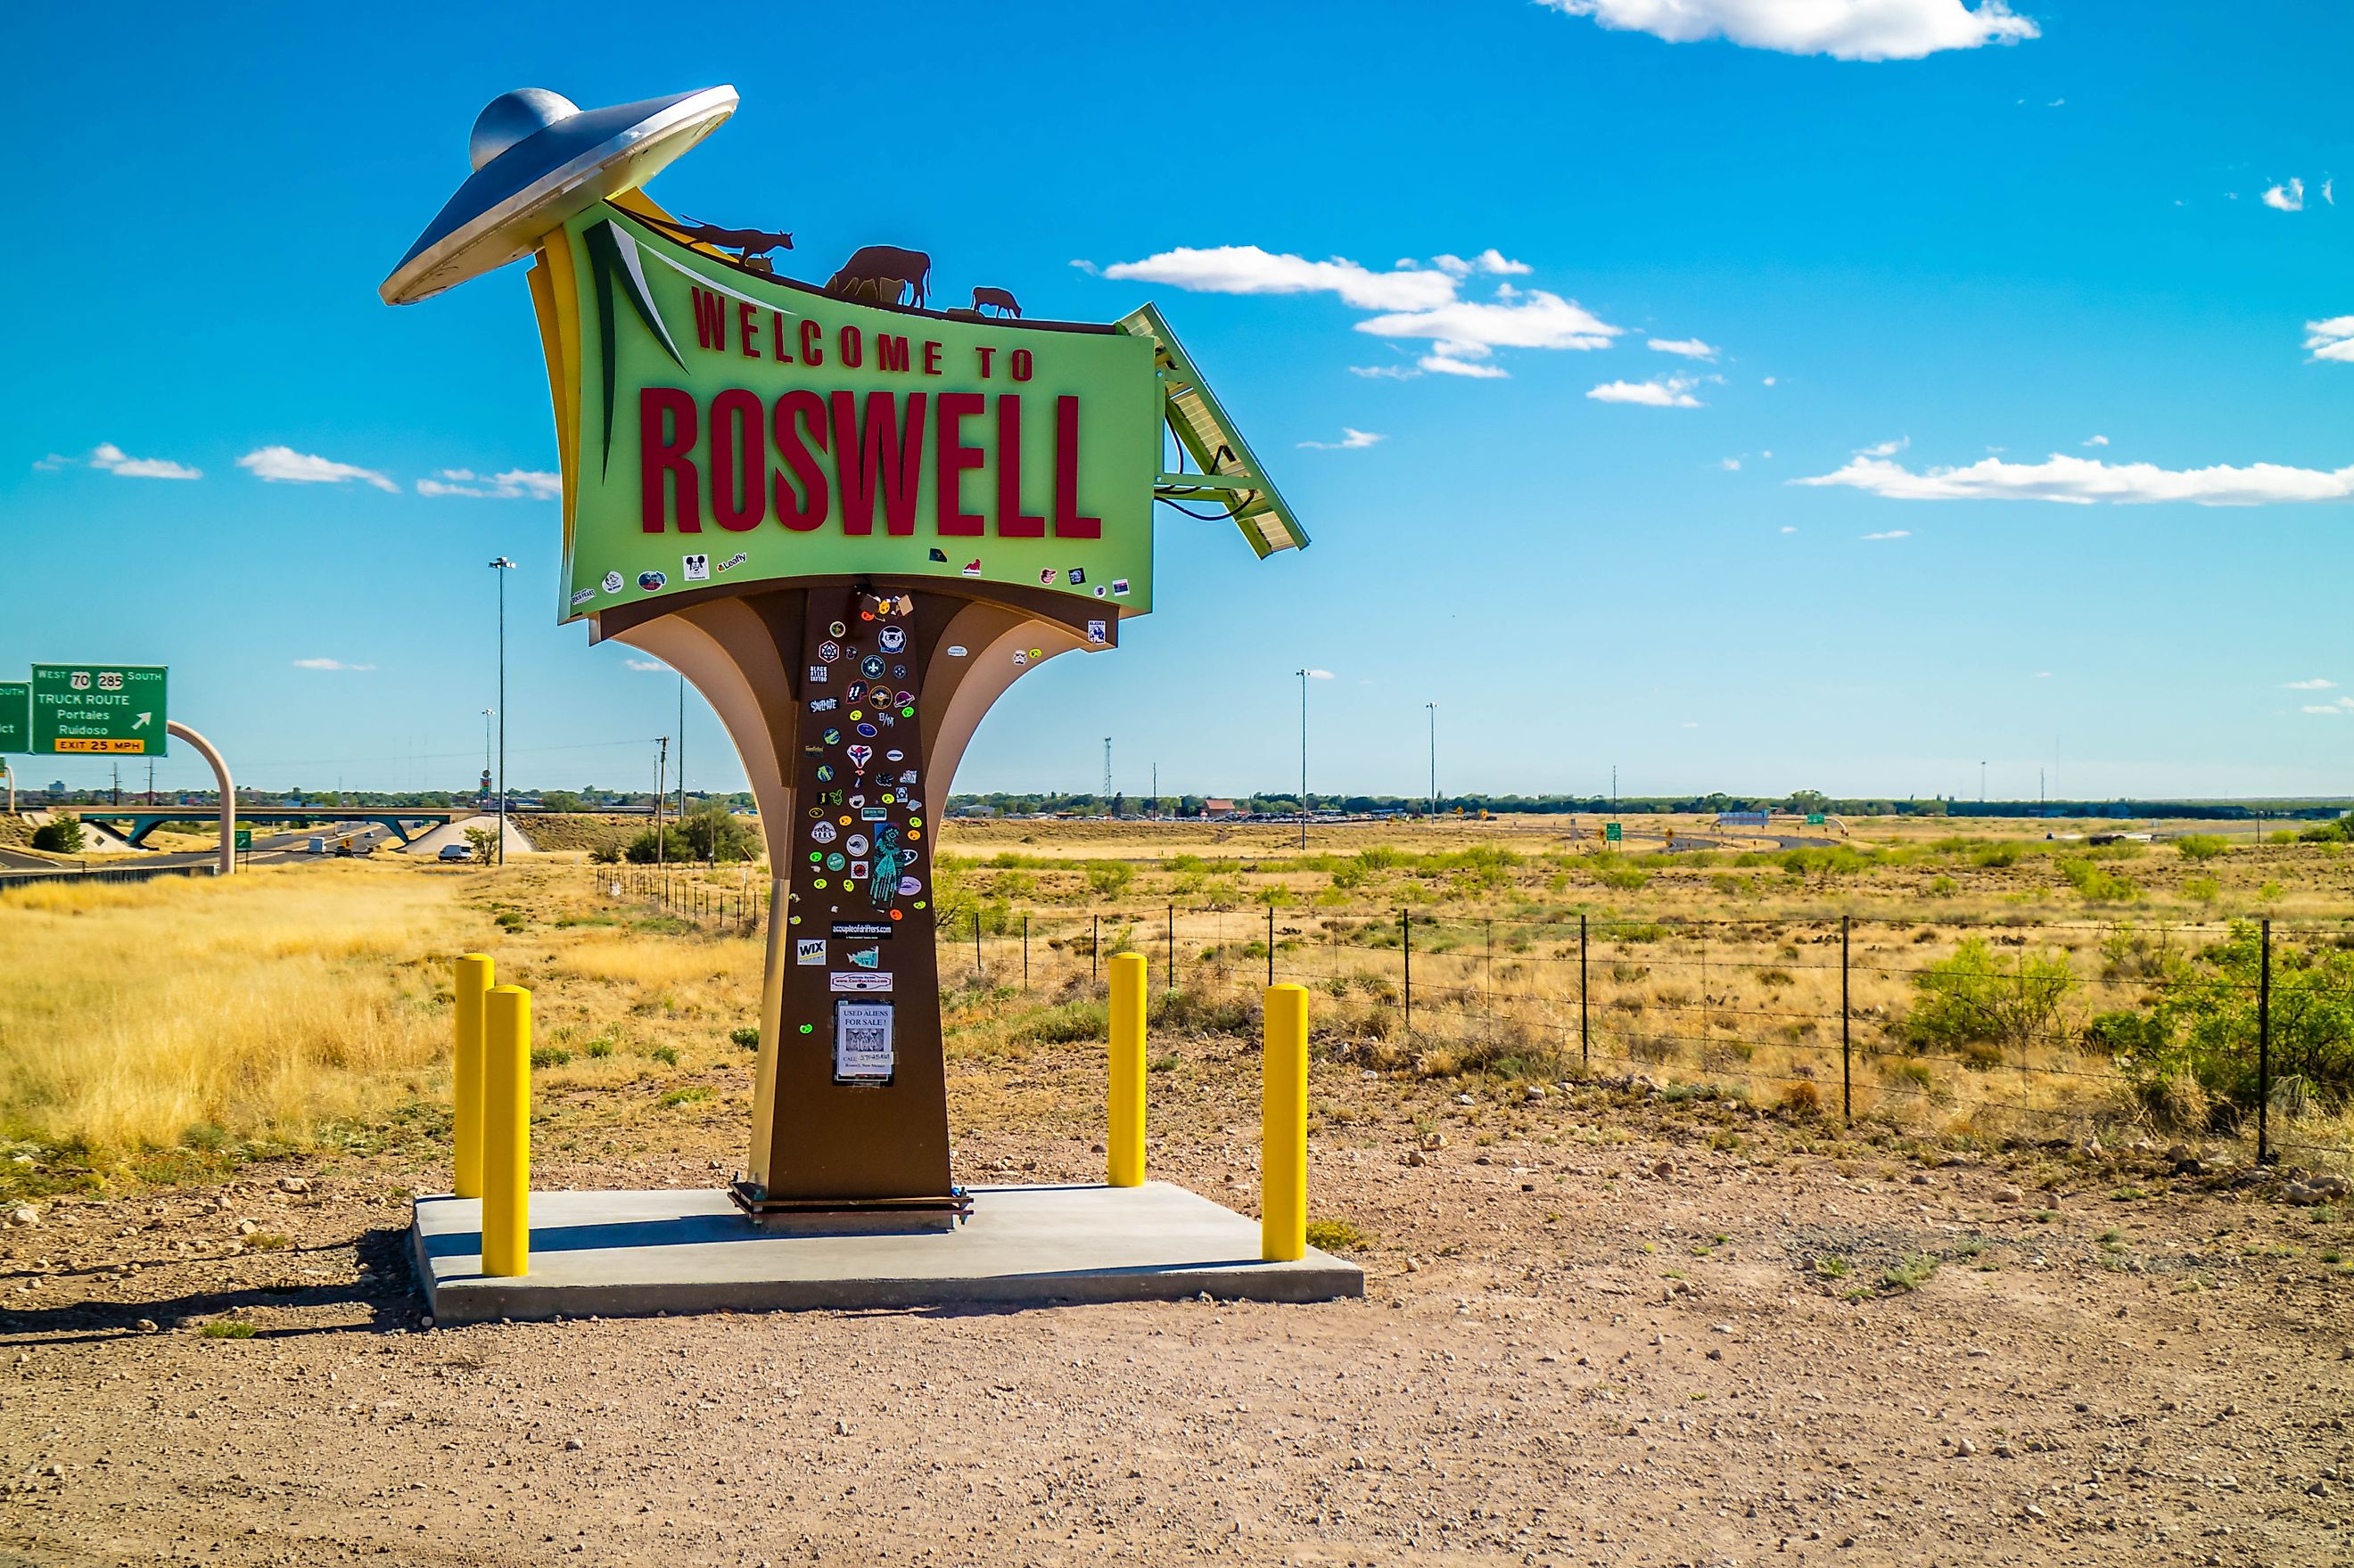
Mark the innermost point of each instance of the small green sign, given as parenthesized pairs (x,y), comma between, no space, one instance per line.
(1610,831)
(245,838)
(1814,819)
(16,716)
(110,710)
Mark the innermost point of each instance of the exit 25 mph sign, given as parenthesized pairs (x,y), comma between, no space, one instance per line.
(112,710)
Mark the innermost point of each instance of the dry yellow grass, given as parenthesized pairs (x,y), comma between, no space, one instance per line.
(132,1014)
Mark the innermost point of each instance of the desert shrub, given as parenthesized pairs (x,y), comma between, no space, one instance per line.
(484,843)
(607,853)
(2201,846)
(670,848)
(715,836)
(2203,1029)
(2096,883)
(746,1035)
(1110,878)
(1066,1024)
(59,835)
(1802,1099)
(1977,999)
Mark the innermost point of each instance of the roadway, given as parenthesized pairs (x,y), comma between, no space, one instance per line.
(271,849)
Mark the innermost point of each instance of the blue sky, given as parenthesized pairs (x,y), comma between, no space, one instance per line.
(1949,260)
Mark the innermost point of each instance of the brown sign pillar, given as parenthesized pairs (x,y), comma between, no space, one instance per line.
(850,702)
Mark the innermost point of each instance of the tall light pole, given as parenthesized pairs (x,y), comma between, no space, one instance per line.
(1303,758)
(1433,759)
(501,566)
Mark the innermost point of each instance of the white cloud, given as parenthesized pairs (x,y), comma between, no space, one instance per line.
(1885,449)
(1690,723)
(2043,674)
(1690,347)
(1892,533)
(2289,197)
(1730,465)
(2084,481)
(1844,29)
(2095,441)
(2316,684)
(284,464)
(1443,363)
(1673,393)
(1247,270)
(2337,709)
(516,483)
(647,665)
(108,457)
(1351,441)
(328,664)
(1385,372)
(1789,528)
(2325,195)
(1408,302)
(2331,339)
(1767,381)
(1319,674)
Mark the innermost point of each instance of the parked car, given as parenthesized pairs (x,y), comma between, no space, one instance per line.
(456,851)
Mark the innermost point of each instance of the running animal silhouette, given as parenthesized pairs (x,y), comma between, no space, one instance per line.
(998,299)
(883,272)
(746,242)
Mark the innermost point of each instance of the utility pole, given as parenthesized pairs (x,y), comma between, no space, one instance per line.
(1156,789)
(501,566)
(1303,758)
(681,754)
(1433,759)
(1981,783)
(115,799)
(1107,782)
(151,781)
(662,787)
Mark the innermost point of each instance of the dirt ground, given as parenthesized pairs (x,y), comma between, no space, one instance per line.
(1599,1328)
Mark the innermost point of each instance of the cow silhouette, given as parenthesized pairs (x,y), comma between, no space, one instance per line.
(746,242)
(883,273)
(998,299)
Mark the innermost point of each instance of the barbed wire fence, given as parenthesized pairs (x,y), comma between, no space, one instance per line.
(2012,1028)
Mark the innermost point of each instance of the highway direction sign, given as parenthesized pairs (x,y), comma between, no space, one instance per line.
(16,716)
(109,710)
(1610,831)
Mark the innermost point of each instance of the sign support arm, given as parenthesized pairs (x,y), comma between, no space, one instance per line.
(221,781)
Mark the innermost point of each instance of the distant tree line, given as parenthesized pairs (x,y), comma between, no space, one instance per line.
(1801,801)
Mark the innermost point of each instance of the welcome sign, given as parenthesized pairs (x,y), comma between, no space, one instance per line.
(728,429)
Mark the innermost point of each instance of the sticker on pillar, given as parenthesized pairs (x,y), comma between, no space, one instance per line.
(837,861)
(733,561)
(817,673)
(892,639)
(973,567)
(861,930)
(1076,576)
(956,650)
(909,887)
(822,833)
(851,980)
(583,597)
(612,582)
(829,651)
(695,568)
(825,704)
(860,756)
(873,666)
(937,556)
(837,629)
(1119,588)
(866,958)
(808,951)
(1045,577)
(651,580)
(1020,657)
(831,737)
(855,844)
(861,1040)
(1094,631)
(857,871)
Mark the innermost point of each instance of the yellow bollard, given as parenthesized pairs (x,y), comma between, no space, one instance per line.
(506,1132)
(1126,1143)
(1283,1128)
(473,978)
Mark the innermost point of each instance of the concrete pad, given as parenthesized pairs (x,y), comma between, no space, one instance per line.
(429,843)
(629,1254)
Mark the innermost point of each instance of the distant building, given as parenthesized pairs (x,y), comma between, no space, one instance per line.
(1217,808)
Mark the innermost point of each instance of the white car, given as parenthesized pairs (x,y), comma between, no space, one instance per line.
(456,851)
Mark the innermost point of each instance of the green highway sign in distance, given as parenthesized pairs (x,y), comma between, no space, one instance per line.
(1814,819)
(1610,831)
(16,716)
(109,710)
(244,839)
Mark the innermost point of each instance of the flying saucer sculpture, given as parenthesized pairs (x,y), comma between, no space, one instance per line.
(852,525)
(539,160)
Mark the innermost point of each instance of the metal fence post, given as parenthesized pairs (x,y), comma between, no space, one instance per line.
(1491,971)
(2265,1047)
(1172,947)
(1025,949)
(1584,1029)
(1270,943)
(1406,942)
(977,973)
(1847,1064)
(1095,943)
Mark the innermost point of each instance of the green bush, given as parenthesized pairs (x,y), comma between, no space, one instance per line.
(59,835)
(647,849)
(747,1035)
(1110,878)
(2201,846)
(718,836)
(1975,999)
(2204,1025)
(2097,884)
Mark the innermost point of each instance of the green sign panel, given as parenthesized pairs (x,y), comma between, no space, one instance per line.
(1610,831)
(728,429)
(1814,819)
(108,710)
(244,838)
(16,716)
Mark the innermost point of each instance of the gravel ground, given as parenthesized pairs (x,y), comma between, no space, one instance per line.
(1600,1329)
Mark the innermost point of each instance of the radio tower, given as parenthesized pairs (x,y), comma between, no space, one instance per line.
(1107,786)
